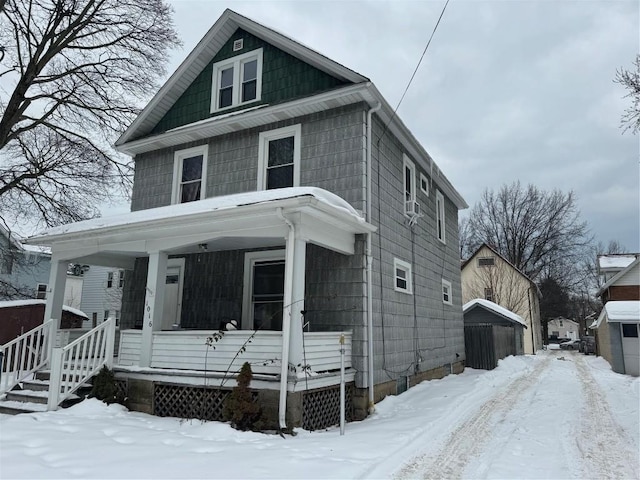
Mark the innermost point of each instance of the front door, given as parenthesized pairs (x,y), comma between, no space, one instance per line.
(172,307)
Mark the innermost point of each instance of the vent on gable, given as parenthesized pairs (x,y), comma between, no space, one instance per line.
(238,44)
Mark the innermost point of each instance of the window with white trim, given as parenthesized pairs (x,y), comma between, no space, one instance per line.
(424,184)
(446,292)
(117,318)
(237,81)
(106,315)
(189,174)
(109,279)
(440,219)
(120,278)
(402,276)
(279,158)
(409,185)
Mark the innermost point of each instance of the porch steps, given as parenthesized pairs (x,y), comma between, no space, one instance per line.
(33,394)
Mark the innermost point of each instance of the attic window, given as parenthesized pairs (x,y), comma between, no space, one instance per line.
(237,81)
(486,261)
(238,44)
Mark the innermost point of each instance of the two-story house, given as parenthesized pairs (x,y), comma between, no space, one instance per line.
(618,326)
(488,275)
(275,188)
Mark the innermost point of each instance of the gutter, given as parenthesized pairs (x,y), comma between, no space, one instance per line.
(286,320)
(369,255)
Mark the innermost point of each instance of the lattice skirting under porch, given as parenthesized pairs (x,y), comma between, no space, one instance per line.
(189,402)
(321,407)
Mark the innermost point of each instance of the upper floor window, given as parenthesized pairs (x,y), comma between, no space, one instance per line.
(236,81)
(486,261)
(440,220)
(279,158)
(488,294)
(411,207)
(109,279)
(120,278)
(402,274)
(189,174)
(424,184)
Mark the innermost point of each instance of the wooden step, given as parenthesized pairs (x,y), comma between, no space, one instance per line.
(11,407)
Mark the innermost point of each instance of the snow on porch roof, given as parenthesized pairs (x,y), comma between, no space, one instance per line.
(494,307)
(214,204)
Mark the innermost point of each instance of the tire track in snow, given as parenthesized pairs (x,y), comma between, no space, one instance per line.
(470,438)
(601,441)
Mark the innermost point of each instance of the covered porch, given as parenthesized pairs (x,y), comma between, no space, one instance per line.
(269,228)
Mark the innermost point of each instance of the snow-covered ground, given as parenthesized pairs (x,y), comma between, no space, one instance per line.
(554,415)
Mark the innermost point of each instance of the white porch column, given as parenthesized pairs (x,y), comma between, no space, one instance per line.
(153,304)
(297,300)
(55,290)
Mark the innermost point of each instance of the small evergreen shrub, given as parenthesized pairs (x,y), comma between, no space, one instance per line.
(105,388)
(239,408)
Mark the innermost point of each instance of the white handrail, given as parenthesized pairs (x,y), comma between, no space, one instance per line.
(24,355)
(74,364)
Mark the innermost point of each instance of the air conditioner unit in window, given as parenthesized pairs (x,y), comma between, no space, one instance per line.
(412,208)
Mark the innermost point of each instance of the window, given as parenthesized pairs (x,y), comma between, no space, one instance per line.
(486,261)
(424,184)
(402,276)
(120,278)
(109,279)
(41,291)
(279,158)
(189,174)
(440,220)
(117,318)
(630,330)
(488,294)
(236,81)
(263,290)
(409,184)
(446,292)
(94,319)
(106,315)
(561,323)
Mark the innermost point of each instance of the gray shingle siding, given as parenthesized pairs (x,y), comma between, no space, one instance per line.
(412,333)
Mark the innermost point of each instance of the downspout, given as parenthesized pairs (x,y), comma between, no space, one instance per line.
(369,254)
(286,320)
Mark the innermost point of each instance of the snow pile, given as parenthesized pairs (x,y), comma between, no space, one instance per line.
(26,303)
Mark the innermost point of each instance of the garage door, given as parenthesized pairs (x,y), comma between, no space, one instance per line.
(631,348)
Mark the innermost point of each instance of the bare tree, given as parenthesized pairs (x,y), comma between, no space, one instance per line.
(630,79)
(539,232)
(73,73)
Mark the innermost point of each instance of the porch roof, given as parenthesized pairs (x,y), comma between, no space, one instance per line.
(245,220)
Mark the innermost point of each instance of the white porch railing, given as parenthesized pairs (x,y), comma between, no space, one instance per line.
(74,364)
(187,350)
(24,355)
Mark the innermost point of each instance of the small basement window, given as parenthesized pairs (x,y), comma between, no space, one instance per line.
(402,276)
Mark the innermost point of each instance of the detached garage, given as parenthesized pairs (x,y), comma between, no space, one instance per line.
(617,330)
(491,332)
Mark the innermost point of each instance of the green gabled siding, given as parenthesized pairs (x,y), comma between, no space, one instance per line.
(284,78)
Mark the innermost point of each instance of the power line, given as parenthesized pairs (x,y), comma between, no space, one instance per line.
(416,69)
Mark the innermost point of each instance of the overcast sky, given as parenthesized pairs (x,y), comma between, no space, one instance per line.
(508,90)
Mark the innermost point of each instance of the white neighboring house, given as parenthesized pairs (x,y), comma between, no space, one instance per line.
(618,330)
(102,294)
(564,328)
